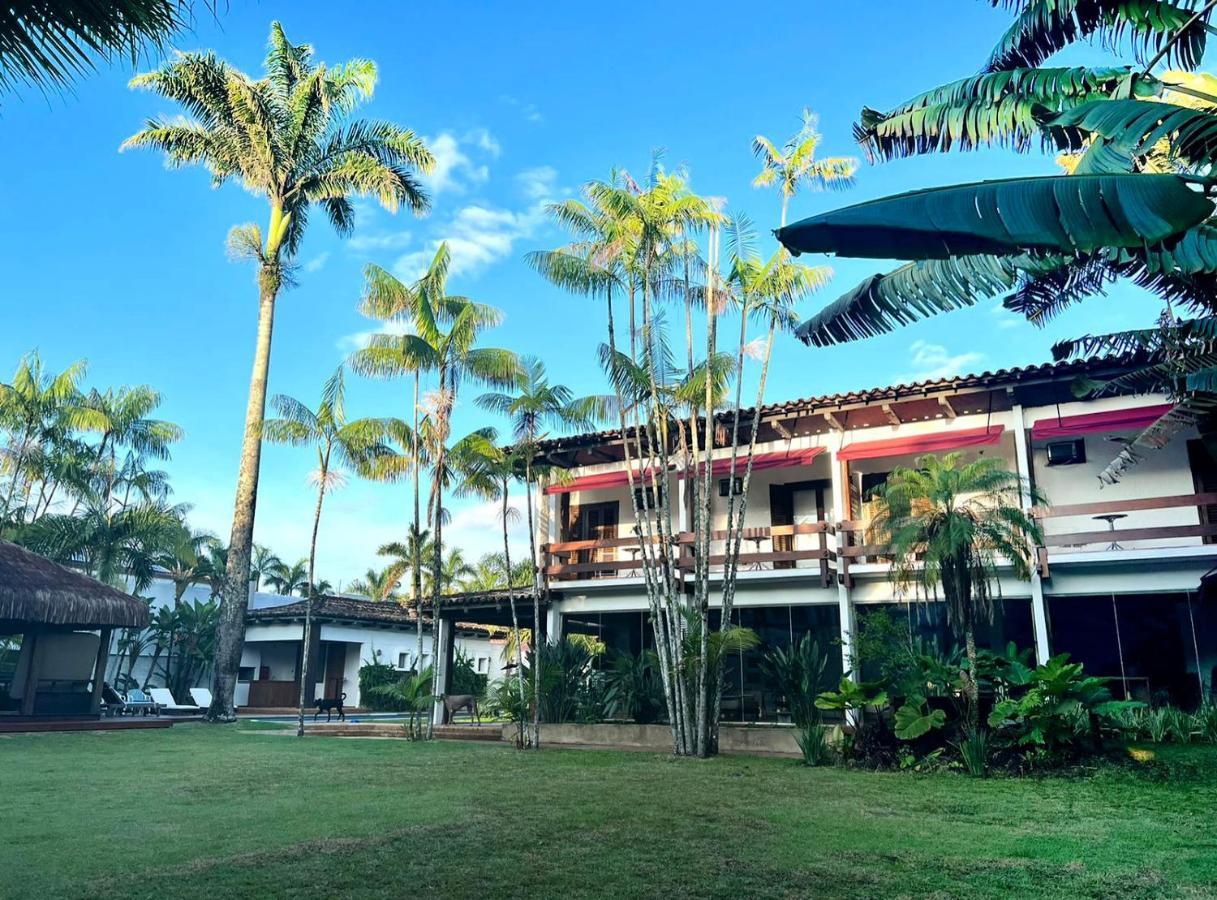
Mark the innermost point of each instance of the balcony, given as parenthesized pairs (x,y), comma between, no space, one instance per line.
(802,549)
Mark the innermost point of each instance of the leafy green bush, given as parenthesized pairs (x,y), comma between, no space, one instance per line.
(373,676)
(465,679)
(409,693)
(798,673)
(1059,711)
(973,750)
(633,688)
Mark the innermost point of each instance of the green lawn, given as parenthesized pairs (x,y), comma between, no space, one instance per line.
(221,812)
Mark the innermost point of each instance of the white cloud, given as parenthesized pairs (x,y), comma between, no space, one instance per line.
(932,361)
(537,183)
(478,529)
(349,343)
(380,240)
(317,262)
(1006,319)
(528,110)
(454,169)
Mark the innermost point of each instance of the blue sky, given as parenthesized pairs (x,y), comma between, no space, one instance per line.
(115,258)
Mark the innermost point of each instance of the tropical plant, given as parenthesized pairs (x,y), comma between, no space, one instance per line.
(973,750)
(558,673)
(262,562)
(291,138)
(1134,145)
(377,584)
(947,524)
(412,694)
(341,445)
(287,580)
(1061,712)
(634,691)
(795,164)
(49,45)
(851,699)
(798,672)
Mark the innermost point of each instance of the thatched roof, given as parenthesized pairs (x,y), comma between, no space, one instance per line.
(34,590)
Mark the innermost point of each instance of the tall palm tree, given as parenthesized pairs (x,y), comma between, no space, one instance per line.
(411,557)
(121,418)
(287,580)
(289,137)
(795,164)
(396,356)
(533,406)
(341,445)
(948,524)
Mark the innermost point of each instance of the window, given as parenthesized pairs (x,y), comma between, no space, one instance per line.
(1067,453)
(483,665)
(736,488)
(403,661)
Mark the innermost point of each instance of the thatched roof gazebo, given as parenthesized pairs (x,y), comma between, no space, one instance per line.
(60,666)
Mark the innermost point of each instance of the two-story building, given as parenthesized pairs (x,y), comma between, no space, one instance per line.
(1116,583)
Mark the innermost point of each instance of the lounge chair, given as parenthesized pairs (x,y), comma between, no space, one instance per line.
(112,703)
(202,697)
(164,699)
(137,701)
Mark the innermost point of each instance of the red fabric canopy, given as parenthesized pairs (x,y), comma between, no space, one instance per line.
(779,459)
(598,481)
(1137,417)
(923,443)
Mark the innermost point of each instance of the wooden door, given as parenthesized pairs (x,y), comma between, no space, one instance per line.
(597,522)
(335,666)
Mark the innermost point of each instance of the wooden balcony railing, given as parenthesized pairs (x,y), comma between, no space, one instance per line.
(603,558)
(1113,538)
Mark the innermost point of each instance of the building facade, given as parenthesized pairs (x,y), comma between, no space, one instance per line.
(1116,583)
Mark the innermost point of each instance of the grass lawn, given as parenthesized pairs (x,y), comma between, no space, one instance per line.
(229,811)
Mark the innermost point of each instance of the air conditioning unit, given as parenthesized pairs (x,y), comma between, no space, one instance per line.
(1067,453)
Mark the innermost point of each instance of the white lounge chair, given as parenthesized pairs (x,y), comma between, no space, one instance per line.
(202,697)
(164,699)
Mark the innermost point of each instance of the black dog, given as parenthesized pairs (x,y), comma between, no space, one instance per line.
(328,705)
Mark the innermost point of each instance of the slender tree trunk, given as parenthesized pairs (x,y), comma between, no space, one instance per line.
(437,556)
(536,614)
(16,474)
(416,564)
(305,674)
(515,621)
(234,599)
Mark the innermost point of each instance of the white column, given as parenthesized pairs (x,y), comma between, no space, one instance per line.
(553,622)
(1039,613)
(840,491)
(441,665)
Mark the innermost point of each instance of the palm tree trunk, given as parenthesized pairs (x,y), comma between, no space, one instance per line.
(437,556)
(234,599)
(308,599)
(536,613)
(16,474)
(416,568)
(515,621)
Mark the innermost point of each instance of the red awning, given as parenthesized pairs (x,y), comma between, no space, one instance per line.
(1135,418)
(923,443)
(779,459)
(598,481)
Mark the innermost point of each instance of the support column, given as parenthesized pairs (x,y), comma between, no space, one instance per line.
(99,671)
(553,623)
(840,496)
(1039,610)
(32,671)
(314,662)
(443,672)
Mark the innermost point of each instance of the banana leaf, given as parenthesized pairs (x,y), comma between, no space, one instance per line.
(1062,213)
(1133,127)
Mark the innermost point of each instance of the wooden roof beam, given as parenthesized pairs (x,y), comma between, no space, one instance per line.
(890,413)
(944,402)
(832,420)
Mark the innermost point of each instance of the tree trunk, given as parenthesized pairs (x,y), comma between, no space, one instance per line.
(234,599)
(536,613)
(437,557)
(515,621)
(309,593)
(416,568)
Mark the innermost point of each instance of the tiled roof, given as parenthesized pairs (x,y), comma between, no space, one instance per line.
(1051,371)
(385,612)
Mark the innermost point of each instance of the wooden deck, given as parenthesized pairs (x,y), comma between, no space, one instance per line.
(127,723)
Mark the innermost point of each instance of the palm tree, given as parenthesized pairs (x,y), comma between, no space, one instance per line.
(288,137)
(37,408)
(379,584)
(262,562)
(949,524)
(184,563)
(215,567)
(340,445)
(287,580)
(796,164)
(411,557)
(47,45)
(121,418)
(532,406)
